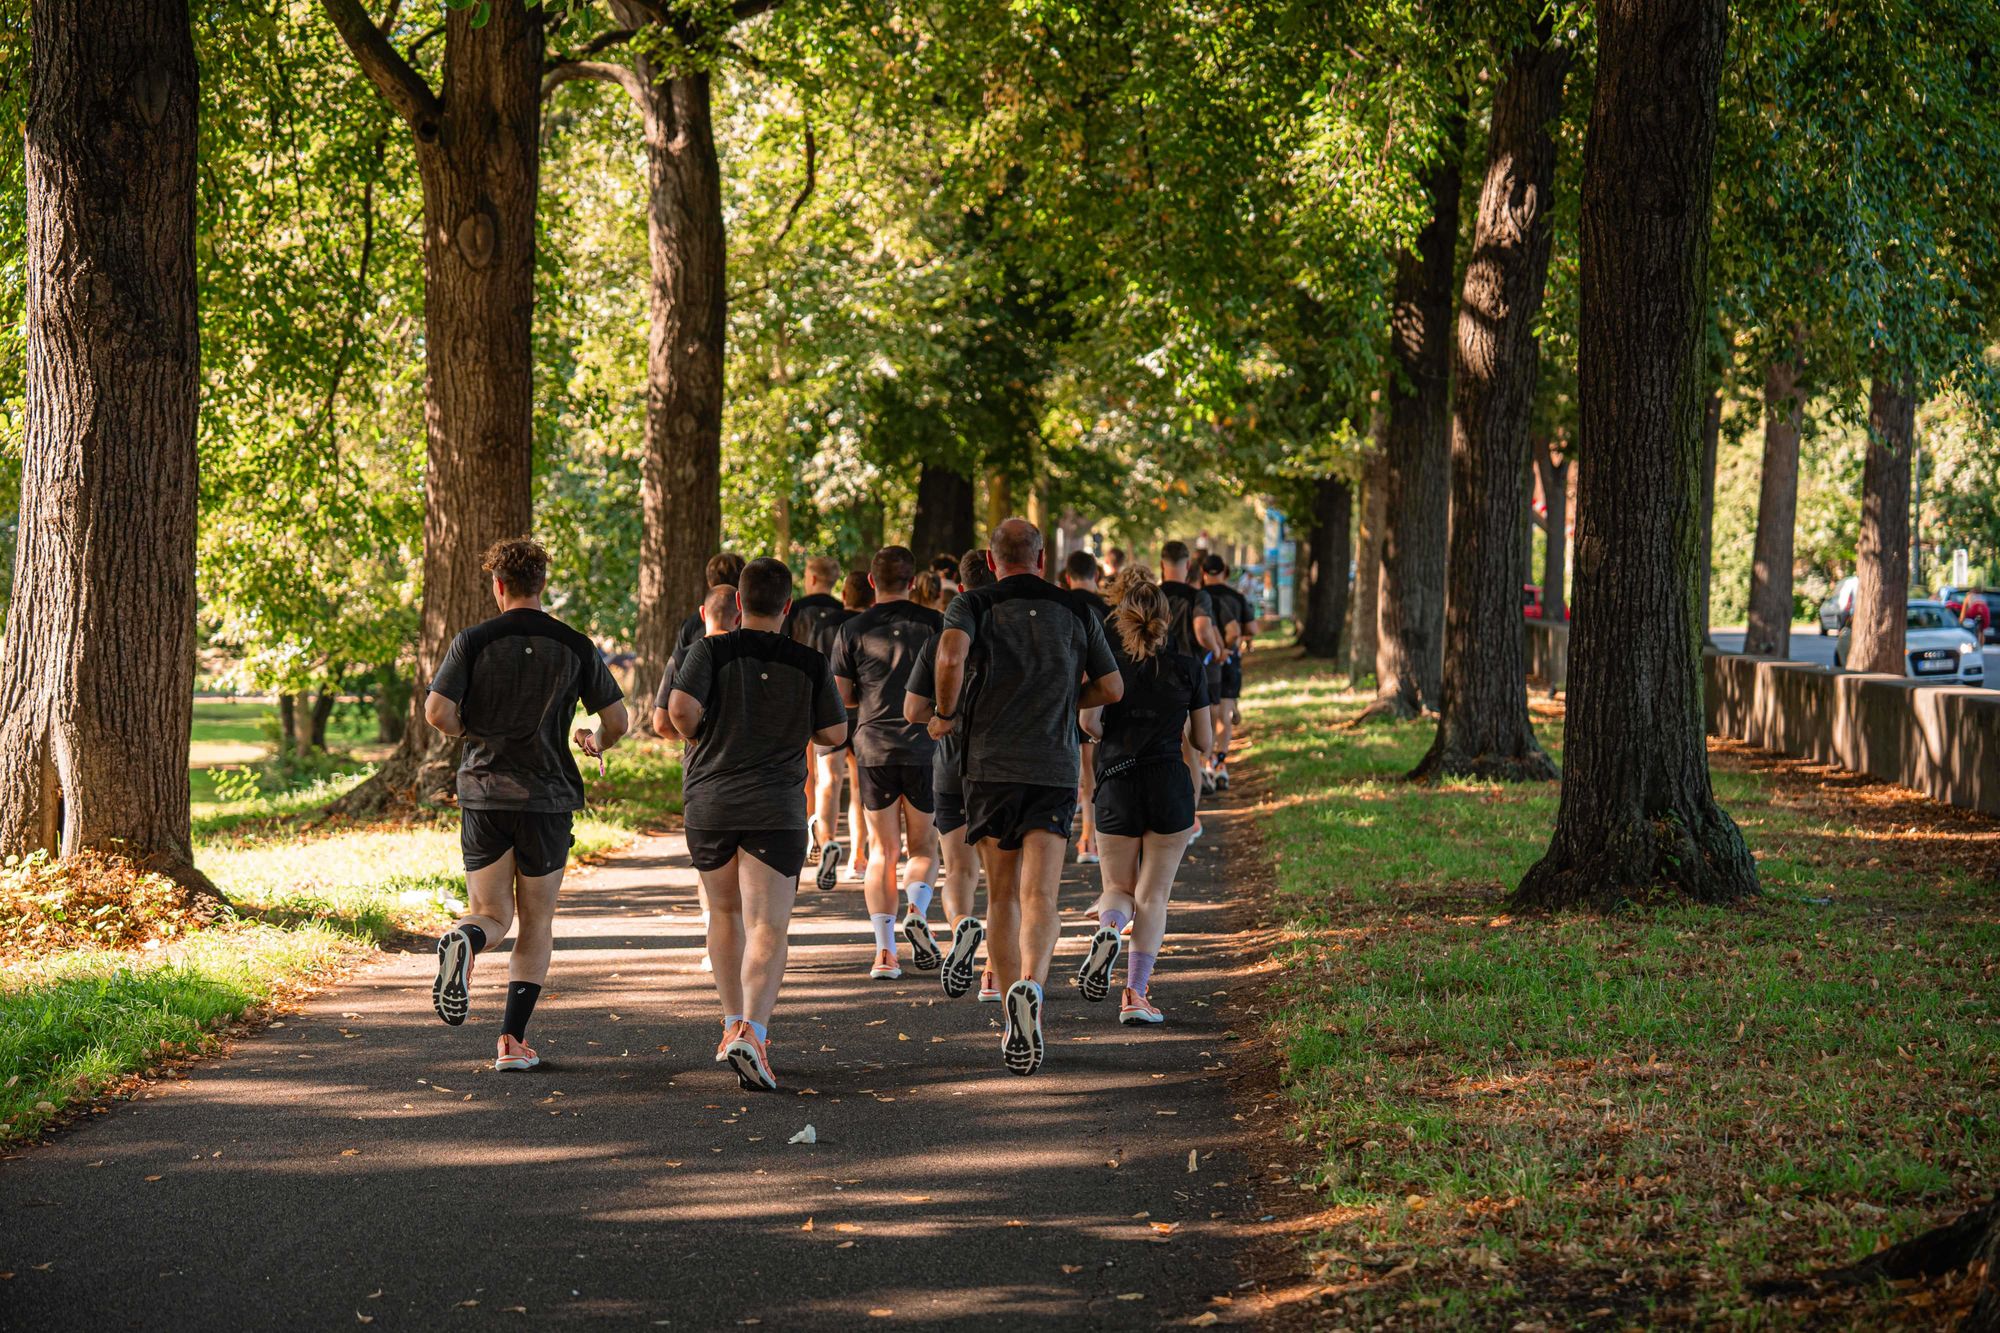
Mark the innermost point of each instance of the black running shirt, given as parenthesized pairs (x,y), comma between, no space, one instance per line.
(875,650)
(813,620)
(1033,644)
(945,768)
(763,697)
(517,679)
(1231,608)
(1145,726)
(1185,602)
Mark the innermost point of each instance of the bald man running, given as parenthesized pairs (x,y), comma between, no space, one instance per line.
(1040,654)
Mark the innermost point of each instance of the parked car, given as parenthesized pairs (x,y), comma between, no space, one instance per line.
(1838,609)
(1531,602)
(1980,613)
(1953,599)
(1935,647)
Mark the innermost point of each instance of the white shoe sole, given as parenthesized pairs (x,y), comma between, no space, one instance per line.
(1132,1018)
(923,945)
(1021,1048)
(515,1064)
(1094,977)
(830,858)
(751,1072)
(450,997)
(960,969)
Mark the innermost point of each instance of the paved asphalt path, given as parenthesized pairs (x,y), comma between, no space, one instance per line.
(360,1163)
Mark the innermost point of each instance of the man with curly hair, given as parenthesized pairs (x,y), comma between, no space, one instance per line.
(510,686)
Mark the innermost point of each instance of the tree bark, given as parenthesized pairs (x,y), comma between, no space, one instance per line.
(680,486)
(313,736)
(478,158)
(1410,600)
(1638,814)
(1483,728)
(1711,441)
(1770,628)
(1368,561)
(97,667)
(1882,557)
(1969,1240)
(1553,467)
(1331,542)
(944,521)
(999,498)
(288,723)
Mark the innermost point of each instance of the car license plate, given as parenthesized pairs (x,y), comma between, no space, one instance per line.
(1938,664)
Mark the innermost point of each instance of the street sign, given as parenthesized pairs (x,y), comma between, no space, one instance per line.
(1961,568)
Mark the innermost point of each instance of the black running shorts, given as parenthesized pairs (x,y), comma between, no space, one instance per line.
(1215,672)
(1232,680)
(950,812)
(882,785)
(539,840)
(1009,811)
(1156,797)
(784,849)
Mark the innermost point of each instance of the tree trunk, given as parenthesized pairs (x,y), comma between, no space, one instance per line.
(288,724)
(1410,600)
(1770,629)
(680,487)
(1882,557)
(1969,1241)
(1331,542)
(1711,440)
(999,498)
(1553,468)
(1368,560)
(1483,728)
(104,564)
(478,157)
(316,720)
(944,521)
(1638,813)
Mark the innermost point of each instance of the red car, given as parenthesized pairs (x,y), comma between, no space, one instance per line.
(1531,602)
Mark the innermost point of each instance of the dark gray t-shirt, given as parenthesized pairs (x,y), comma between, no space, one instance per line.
(876,650)
(950,751)
(517,679)
(1231,608)
(813,620)
(1184,603)
(1032,645)
(764,696)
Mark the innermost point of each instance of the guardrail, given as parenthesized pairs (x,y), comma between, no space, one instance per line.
(1548,654)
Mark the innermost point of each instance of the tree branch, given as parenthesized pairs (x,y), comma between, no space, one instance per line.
(605,70)
(596,46)
(401,86)
(805,193)
(749,9)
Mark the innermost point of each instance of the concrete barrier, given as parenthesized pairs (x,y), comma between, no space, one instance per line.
(1548,654)
(1941,740)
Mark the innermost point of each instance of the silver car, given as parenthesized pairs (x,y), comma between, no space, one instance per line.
(1935,647)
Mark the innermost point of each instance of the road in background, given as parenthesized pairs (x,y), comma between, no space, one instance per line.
(1809,645)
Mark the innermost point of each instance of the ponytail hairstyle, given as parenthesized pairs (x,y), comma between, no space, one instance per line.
(1142,618)
(1113,591)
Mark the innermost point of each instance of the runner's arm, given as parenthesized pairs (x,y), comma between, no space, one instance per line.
(612,724)
(1200,731)
(850,693)
(1106,689)
(1091,722)
(442,714)
(1205,635)
(684,712)
(953,646)
(832,735)
(917,710)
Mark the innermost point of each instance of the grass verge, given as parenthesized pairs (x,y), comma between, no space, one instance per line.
(312,897)
(1583,1121)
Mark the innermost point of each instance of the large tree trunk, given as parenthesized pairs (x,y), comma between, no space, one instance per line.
(1638,814)
(478,157)
(680,493)
(1331,543)
(1711,441)
(1552,466)
(1483,728)
(944,521)
(1368,560)
(97,668)
(1410,606)
(312,722)
(288,724)
(1770,629)
(1882,557)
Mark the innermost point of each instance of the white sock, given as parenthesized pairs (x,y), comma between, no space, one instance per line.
(920,898)
(885,930)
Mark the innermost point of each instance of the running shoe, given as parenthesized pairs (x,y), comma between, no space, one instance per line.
(886,967)
(1087,859)
(857,872)
(1021,1046)
(751,1061)
(517,1059)
(966,937)
(1093,978)
(923,948)
(1207,783)
(1197,832)
(989,987)
(1222,779)
(830,857)
(722,1047)
(451,992)
(1134,1008)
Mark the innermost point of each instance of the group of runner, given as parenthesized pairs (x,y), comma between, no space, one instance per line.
(970,707)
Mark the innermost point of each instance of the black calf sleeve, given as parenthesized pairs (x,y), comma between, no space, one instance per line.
(521,997)
(476,935)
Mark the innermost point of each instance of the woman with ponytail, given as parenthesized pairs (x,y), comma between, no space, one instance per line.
(1145,795)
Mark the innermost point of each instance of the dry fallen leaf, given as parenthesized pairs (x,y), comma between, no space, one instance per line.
(1132,1296)
(845,1245)
(151,1179)
(350,1152)
(916,1198)
(1204,1319)
(808,1226)
(880,1313)
(361,1318)
(1071,1268)
(847,1226)
(1166,1228)
(1194,1159)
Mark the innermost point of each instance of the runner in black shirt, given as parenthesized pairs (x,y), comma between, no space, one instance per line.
(1039,655)
(749,701)
(1232,616)
(1145,795)
(802,623)
(1191,632)
(722,572)
(872,658)
(961,867)
(1079,575)
(835,765)
(510,686)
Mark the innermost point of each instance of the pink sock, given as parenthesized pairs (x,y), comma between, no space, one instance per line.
(1139,970)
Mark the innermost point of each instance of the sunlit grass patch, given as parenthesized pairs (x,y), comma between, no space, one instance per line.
(1640,1114)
